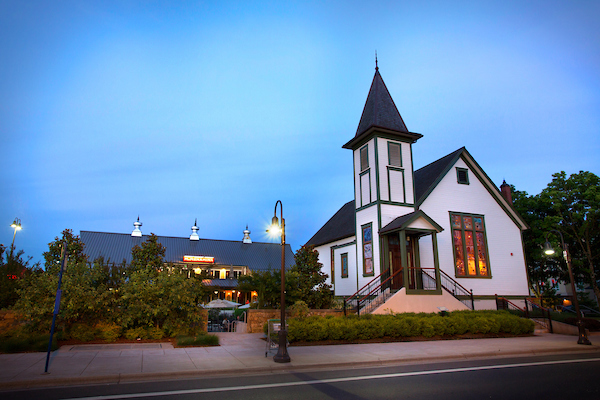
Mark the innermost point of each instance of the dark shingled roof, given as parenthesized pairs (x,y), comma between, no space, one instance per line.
(380,110)
(426,177)
(340,226)
(116,247)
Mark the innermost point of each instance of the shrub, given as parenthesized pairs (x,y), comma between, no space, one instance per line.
(397,326)
(108,332)
(198,340)
(82,332)
(27,342)
(135,333)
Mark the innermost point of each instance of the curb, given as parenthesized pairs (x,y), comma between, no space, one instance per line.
(277,368)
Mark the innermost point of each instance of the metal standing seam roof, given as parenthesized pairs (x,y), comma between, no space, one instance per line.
(116,247)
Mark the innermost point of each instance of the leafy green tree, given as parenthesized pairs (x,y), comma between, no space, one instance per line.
(575,211)
(310,280)
(148,256)
(74,247)
(13,269)
(570,205)
(267,285)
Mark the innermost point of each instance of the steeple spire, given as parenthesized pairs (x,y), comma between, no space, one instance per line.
(376,67)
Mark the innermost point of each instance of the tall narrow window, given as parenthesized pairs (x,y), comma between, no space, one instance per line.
(367,236)
(394,157)
(470,248)
(344,265)
(332,266)
(364,158)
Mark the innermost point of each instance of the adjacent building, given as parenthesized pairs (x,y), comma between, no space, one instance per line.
(224,260)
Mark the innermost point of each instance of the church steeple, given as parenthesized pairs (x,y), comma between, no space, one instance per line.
(380,112)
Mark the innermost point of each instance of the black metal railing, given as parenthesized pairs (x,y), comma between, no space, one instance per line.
(530,310)
(374,293)
(421,279)
(457,290)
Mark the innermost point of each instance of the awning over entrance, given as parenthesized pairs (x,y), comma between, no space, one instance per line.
(416,221)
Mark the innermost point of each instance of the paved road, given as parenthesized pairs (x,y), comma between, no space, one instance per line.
(565,376)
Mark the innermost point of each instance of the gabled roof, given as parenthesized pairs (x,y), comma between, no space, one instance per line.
(340,226)
(116,247)
(427,178)
(380,113)
(403,222)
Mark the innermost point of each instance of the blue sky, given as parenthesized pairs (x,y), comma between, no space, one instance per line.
(216,110)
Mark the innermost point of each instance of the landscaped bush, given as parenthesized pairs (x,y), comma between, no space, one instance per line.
(23,341)
(82,332)
(203,339)
(398,326)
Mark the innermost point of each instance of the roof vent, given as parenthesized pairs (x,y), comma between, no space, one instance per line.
(137,232)
(194,235)
(247,236)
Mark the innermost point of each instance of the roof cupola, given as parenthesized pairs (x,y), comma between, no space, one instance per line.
(137,232)
(194,235)
(246,236)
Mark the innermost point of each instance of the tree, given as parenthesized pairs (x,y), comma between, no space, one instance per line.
(310,279)
(74,247)
(267,285)
(148,256)
(13,269)
(575,211)
(571,206)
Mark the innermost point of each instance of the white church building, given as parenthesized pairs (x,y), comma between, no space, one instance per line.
(441,237)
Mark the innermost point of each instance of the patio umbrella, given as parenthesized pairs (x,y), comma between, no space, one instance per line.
(221,304)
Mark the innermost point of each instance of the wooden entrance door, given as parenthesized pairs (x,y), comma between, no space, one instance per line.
(395,260)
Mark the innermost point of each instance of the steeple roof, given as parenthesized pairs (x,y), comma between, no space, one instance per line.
(380,113)
(380,110)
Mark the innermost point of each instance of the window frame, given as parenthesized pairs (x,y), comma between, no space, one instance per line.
(476,246)
(366,243)
(365,148)
(390,145)
(344,272)
(458,178)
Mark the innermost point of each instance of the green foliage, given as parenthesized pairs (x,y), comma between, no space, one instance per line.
(299,309)
(199,340)
(406,325)
(309,280)
(27,342)
(149,256)
(267,285)
(572,206)
(13,269)
(74,248)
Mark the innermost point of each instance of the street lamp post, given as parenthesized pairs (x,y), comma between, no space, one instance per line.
(548,250)
(282,355)
(17,227)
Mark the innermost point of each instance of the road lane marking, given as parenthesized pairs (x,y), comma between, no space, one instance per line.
(328,381)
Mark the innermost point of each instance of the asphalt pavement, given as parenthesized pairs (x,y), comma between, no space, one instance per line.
(241,353)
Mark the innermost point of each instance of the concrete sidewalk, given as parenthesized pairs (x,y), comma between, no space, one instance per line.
(245,353)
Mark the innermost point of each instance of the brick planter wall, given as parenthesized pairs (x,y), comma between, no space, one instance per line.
(257,318)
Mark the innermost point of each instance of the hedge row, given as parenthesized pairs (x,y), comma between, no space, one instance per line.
(404,325)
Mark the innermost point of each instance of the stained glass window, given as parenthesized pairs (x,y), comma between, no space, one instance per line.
(367,234)
(344,265)
(470,248)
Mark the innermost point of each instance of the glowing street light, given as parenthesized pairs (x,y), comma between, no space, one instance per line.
(548,250)
(17,227)
(282,355)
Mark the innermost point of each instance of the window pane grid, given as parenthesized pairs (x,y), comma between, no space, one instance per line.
(469,243)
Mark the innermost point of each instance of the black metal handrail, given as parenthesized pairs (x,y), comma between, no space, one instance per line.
(457,290)
(370,295)
(530,310)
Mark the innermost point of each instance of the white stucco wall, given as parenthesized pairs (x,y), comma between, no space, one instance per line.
(506,259)
(342,286)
